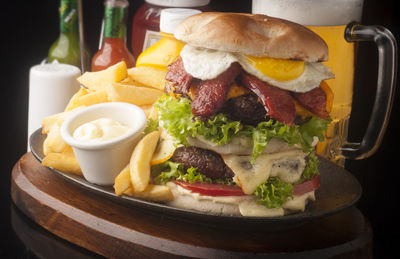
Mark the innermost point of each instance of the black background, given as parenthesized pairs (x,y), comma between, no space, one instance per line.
(28,28)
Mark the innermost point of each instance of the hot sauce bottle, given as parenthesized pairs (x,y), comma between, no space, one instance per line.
(66,48)
(113,49)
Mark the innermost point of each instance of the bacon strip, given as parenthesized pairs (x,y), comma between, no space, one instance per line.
(209,95)
(179,77)
(277,102)
(314,101)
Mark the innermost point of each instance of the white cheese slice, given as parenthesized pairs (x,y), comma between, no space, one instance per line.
(299,202)
(252,209)
(241,145)
(287,165)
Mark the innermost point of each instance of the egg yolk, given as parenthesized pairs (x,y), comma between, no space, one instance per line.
(278,69)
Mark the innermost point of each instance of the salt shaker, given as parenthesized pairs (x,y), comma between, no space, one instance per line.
(51,86)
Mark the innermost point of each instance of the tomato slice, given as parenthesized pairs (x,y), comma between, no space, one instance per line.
(307,186)
(211,189)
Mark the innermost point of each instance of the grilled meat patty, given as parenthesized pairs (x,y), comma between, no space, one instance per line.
(206,161)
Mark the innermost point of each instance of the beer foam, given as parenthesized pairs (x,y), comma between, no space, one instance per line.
(311,12)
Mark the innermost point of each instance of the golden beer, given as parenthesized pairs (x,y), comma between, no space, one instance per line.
(328,19)
(341,62)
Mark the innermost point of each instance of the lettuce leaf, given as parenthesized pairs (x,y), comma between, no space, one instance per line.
(177,118)
(311,168)
(314,127)
(218,129)
(266,130)
(169,170)
(152,125)
(273,193)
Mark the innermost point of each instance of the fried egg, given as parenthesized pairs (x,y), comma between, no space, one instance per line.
(297,76)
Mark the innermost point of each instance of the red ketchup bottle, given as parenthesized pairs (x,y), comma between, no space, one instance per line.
(146,21)
(113,49)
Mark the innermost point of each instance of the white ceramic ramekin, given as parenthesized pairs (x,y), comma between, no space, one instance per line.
(102,161)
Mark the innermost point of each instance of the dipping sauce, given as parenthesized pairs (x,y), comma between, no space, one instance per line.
(100,130)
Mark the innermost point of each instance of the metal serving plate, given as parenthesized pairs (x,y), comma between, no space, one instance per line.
(338,191)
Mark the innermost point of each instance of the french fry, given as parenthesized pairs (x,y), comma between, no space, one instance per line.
(152,193)
(87,98)
(51,126)
(127,81)
(74,101)
(58,118)
(54,142)
(99,80)
(65,162)
(50,121)
(93,98)
(148,76)
(139,165)
(122,181)
(137,95)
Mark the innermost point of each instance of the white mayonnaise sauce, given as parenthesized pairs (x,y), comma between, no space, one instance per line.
(100,130)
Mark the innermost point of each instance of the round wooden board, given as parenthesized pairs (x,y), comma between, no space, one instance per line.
(115,230)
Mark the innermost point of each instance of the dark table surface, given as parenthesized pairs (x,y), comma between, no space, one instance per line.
(29,28)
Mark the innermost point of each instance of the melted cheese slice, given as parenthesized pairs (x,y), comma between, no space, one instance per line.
(287,165)
(252,209)
(240,145)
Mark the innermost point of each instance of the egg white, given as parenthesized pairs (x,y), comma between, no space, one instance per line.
(204,63)
(207,64)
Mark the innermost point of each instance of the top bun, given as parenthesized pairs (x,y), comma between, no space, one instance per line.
(252,34)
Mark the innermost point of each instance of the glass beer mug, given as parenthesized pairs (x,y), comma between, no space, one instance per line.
(337,22)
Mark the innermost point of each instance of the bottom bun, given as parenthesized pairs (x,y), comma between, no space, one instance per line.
(185,199)
(233,205)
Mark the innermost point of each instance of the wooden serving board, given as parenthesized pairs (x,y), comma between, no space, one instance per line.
(115,230)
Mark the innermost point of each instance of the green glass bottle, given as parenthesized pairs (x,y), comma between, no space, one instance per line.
(66,48)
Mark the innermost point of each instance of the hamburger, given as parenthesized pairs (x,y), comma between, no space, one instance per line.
(246,104)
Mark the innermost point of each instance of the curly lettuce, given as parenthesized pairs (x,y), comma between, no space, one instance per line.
(311,168)
(313,127)
(169,170)
(273,193)
(177,118)
(152,125)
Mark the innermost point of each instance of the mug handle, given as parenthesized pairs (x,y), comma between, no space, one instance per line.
(387,67)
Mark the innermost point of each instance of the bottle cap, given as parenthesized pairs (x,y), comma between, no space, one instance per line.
(179,3)
(171,17)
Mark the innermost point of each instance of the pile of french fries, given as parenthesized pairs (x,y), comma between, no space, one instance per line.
(141,86)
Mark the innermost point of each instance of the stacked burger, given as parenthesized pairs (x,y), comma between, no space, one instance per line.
(246,105)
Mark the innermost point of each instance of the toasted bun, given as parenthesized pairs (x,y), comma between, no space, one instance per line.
(204,206)
(252,34)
